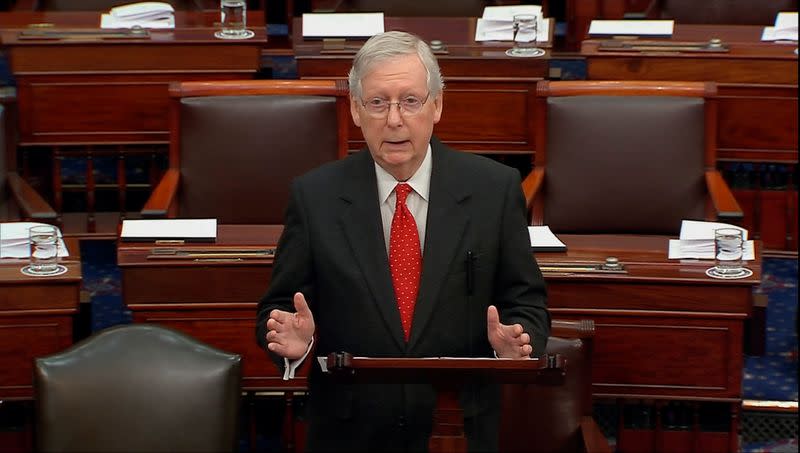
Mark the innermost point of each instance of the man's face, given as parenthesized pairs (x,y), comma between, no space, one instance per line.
(397,139)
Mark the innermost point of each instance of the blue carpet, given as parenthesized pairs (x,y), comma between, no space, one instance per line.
(773,376)
(783,446)
(101,279)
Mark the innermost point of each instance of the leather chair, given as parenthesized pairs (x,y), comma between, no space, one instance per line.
(626,157)
(138,388)
(18,200)
(731,12)
(544,418)
(235,146)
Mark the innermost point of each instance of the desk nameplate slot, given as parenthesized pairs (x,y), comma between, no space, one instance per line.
(633,45)
(610,266)
(83,34)
(211,254)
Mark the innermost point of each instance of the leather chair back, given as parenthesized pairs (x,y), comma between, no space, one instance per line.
(546,418)
(137,388)
(240,153)
(237,145)
(623,163)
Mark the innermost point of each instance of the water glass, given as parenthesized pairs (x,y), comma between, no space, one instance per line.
(233,20)
(728,252)
(44,249)
(526,29)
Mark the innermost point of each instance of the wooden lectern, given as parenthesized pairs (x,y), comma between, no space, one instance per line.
(446,374)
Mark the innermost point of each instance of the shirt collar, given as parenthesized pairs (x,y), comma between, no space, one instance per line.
(420,181)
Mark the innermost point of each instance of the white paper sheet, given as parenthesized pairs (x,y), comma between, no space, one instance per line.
(632,27)
(342,25)
(678,250)
(785,28)
(503,30)
(15,242)
(544,240)
(697,240)
(698,229)
(107,21)
(185,229)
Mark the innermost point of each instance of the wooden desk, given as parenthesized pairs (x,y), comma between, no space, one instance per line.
(659,312)
(634,312)
(659,309)
(212,300)
(757,119)
(36,319)
(89,97)
(488,98)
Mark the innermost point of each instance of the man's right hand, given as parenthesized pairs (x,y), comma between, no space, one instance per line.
(289,334)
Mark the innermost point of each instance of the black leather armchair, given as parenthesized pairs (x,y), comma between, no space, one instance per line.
(138,388)
(235,146)
(626,157)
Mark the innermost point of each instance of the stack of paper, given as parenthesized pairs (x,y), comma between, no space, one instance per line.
(543,240)
(785,28)
(497,23)
(144,14)
(14,241)
(697,241)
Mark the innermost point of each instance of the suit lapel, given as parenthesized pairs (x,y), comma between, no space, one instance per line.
(361,222)
(447,222)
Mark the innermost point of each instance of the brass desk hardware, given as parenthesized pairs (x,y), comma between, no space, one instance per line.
(219,254)
(633,45)
(610,266)
(47,33)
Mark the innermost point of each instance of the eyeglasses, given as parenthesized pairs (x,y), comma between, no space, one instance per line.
(379,107)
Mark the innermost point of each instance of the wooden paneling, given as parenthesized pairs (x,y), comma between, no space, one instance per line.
(36,319)
(479,77)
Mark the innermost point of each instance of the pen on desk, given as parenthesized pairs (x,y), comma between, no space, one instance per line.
(470,272)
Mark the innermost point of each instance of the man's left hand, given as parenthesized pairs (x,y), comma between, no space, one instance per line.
(509,342)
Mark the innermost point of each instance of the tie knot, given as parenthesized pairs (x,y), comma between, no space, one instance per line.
(401,191)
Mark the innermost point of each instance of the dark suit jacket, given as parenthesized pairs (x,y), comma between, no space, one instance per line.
(333,251)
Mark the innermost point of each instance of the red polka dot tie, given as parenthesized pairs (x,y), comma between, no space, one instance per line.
(405,258)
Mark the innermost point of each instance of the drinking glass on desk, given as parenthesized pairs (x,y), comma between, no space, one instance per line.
(526,30)
(44,250)
(728,254)
(233,20)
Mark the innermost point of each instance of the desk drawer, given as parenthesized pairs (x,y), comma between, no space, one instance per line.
(673,356)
